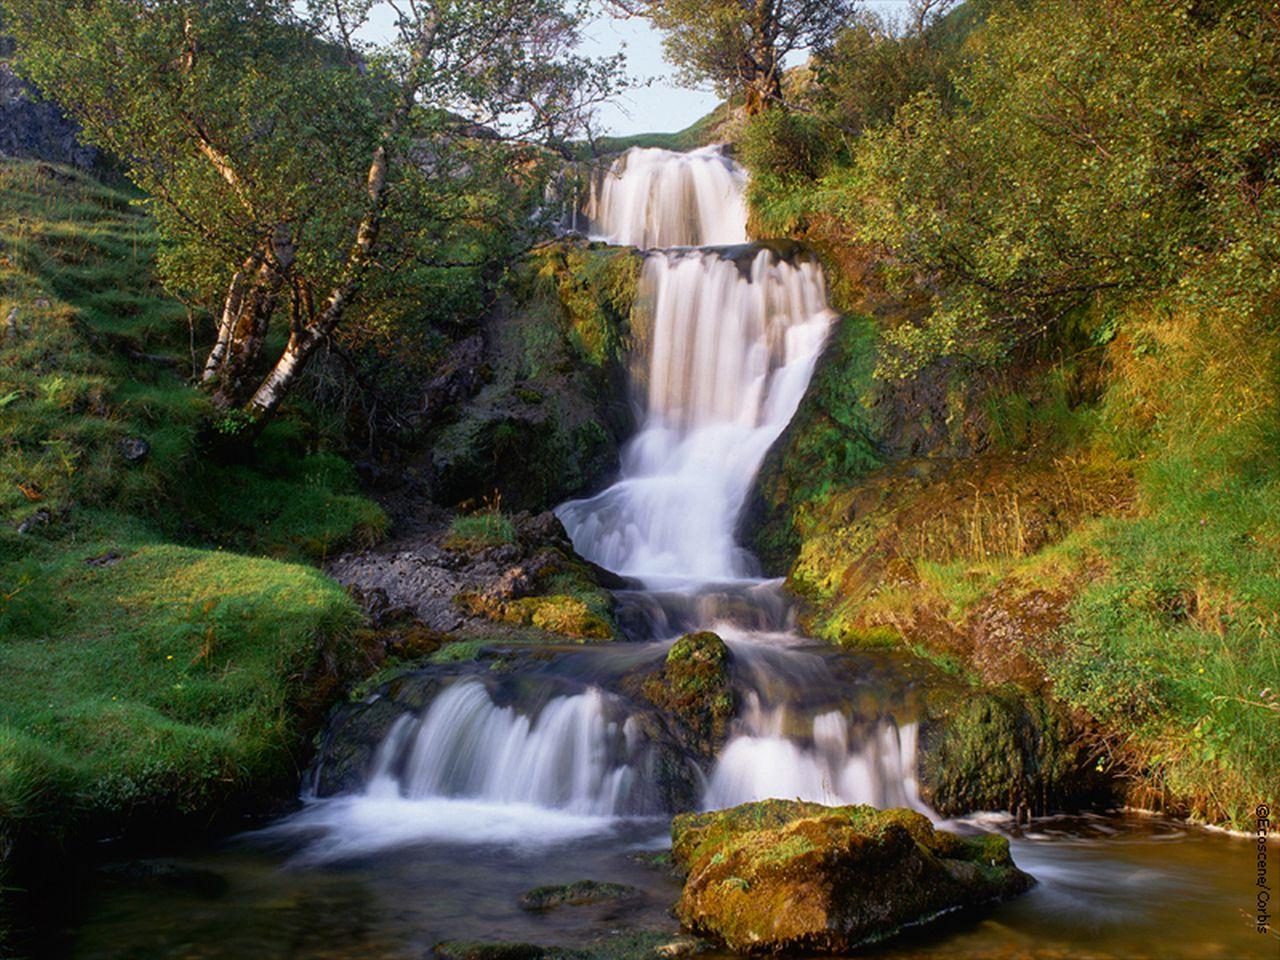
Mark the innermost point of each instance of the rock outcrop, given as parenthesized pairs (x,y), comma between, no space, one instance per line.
(785,876)
(35,129)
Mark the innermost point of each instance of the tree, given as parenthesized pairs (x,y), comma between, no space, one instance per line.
(740,45)
(1094,152)
(294,165)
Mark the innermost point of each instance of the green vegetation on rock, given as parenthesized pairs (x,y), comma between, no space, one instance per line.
(694,690)
(547,422)
(576,894)
(787,876)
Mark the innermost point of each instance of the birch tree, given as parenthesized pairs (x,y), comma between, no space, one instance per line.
(298,156)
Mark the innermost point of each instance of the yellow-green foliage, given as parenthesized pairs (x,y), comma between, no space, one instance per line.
(1177,643)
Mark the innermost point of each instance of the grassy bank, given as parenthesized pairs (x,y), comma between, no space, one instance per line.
(164,643)
(1044,447)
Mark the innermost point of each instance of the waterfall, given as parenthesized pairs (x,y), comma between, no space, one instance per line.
(575,754)
(734,337)
(733,331)
(650,197)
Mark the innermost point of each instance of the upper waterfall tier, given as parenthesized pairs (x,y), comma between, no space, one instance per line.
(650,198)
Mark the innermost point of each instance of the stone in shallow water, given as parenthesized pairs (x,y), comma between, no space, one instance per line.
(786,876)
(578,893)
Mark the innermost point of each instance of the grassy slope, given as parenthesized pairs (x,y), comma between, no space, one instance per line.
(147,666)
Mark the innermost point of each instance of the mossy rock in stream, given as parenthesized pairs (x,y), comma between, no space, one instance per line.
(694,689)
(786,876)
(1006,751)
(577,894)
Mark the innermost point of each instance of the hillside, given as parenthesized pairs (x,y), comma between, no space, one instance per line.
(1079,503)
(157,610)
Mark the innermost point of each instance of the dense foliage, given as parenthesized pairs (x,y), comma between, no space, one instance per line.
(1061,219)
(1071,154)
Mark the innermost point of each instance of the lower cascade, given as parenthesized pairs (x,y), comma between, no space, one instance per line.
(732,334)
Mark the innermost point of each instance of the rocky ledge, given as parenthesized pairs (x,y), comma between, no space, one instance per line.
(785,876)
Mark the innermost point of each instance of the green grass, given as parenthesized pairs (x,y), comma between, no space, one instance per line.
(1179,643)
(161,638)
(488,528)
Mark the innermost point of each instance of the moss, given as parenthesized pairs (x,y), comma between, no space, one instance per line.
(1006,751)
(578,893)
(694,689)
(785,876)
(831,443)
(151,672)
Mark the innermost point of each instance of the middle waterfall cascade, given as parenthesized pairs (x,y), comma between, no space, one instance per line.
(733,345)
(733,332)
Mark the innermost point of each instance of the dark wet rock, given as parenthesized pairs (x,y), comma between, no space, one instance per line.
(108,559)
(41,518)
(134,449)
(694,691)
(534,410)
(785,876)
(1006,751)
(460,375)
(33,128)
(577,894)
(350,743)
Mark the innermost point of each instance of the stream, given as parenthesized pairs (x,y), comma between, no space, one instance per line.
(487,784)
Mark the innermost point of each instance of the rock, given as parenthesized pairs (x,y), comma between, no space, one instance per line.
(108,559)
(350,744)
(576,894)
(41,518)
(693,688)
(500,950)
(32,128)
(786,876)
(680,947)
(1006,751)
(134,449)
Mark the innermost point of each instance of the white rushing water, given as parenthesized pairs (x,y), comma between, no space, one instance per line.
(733,333)
(650,197)
(571,756)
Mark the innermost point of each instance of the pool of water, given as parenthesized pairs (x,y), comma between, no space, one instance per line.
(1118,886)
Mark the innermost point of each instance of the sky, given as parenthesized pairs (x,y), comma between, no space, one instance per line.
(662,106)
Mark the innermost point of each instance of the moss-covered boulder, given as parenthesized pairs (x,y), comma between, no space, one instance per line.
(1006,751)
(694,691)
(786,876)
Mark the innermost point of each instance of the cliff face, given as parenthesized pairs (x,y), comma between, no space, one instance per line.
(35,129)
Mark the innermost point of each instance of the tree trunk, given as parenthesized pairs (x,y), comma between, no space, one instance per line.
(252,298)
